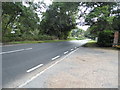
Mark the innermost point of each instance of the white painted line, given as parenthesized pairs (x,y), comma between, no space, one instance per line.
(71,49)
(22,85)
(55,57)
(12,51)
(34,68)
(15,51)
(28,49)
(66,52)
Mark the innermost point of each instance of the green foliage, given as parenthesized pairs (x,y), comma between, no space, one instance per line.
(12,38)
(20,19)
(116,23)
(77,34)
(60,19)
(105,38)
(91,43)
(57,21)
(100,17)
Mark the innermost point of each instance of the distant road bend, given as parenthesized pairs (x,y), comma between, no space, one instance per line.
(21,60)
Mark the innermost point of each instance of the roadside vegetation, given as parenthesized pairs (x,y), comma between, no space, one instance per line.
(91,43)
(104,21)
(39,22)
(30,42)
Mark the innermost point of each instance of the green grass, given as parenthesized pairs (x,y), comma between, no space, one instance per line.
(91,43)
(22,42)
(27,42)
(49,41)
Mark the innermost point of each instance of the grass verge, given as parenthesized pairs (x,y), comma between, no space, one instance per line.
(30,42)
(91,43)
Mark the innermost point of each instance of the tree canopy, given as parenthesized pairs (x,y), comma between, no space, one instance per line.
(59,19)
(103,17)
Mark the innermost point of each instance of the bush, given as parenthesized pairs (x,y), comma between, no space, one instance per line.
(44,37)
(105,38)
(12,38)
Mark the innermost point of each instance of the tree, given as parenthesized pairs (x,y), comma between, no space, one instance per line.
(20,19)
(101,17)
(77,33)
(59,19)
(105,38)
(116,20)
(103,21)
(9,14)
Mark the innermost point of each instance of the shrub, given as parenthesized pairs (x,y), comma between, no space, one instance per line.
(105,38)
(11,38)
(45,37)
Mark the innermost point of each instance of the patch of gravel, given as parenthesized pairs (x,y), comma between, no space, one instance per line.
(87,68)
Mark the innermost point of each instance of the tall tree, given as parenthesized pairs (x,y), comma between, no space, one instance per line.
(9,14)
(19,18)
(59,19)
(101,16)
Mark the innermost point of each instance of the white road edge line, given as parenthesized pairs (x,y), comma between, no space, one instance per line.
(55,57)
(66,52)
(15,51)
(34,68)
(22,85)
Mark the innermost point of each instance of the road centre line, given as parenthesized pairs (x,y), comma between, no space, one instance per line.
(28,48)
(15,51)
(34,77)
(66,52)
(34,68)
(55,57)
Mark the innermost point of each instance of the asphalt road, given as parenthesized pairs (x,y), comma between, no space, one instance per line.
(19,60)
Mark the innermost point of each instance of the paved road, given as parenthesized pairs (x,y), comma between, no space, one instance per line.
(19,60)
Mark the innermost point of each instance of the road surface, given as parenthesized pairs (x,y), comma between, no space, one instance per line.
(21,60)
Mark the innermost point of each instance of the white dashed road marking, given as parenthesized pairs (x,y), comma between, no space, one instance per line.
(55,57)
(66,52)
(15,51)
(27,48)
(28,81)
(34,68)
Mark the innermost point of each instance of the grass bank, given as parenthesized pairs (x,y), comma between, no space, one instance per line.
(91,43)
(30,42)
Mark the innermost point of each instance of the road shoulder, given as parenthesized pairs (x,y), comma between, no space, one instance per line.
(86,68)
